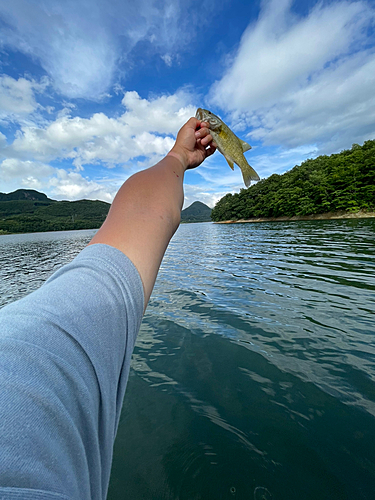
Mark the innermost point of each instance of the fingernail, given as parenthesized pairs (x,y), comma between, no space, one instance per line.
(197,134)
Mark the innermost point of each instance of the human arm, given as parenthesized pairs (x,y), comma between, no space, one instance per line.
(65,353)
(146,211)
(65,349)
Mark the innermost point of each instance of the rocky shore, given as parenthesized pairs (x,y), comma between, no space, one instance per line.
(327,216)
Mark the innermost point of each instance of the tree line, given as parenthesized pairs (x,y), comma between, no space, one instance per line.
(28,216)
(340,182)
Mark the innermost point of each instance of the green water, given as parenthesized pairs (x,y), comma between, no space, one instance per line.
(253,373)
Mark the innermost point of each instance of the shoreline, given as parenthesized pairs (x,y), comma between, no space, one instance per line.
(325,216)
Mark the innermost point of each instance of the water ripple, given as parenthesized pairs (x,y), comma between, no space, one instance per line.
(253,375)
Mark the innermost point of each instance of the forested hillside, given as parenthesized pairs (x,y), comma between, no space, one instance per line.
(27,211)
(196,212)
(25,194)
(343,181)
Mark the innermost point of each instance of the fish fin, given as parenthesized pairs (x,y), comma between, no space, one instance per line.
(230,163)
(249,175)
(245,146)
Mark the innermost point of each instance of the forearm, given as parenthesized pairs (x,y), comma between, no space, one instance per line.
(146,211)
(144,216)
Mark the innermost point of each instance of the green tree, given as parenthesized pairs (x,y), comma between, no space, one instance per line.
(343,181)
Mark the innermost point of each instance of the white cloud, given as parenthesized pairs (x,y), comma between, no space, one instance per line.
(3,140)
(280,52)
(335,110)
(138,138)
(81,44)
(167,59)
(308,79)
(279,160)
(150,144)
(78,56)
(140,131)
(164,114)
(12,168)
(57,183)
(17,97)
(73,186)
(31,182)
(29,174)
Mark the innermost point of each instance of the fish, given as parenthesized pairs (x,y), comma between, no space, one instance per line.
(229,145)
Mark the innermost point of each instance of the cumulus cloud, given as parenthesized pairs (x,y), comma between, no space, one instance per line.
(57,183)
(74,186)
(29,174)
(298,80)
(144,129)
(17,97)
(11,168)
(79,44)
(164,114)
(138,137)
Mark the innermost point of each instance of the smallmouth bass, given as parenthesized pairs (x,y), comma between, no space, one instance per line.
(229,145)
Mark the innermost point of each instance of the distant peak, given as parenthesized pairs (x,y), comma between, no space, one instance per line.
(198,204)
(196,212)
(24,194)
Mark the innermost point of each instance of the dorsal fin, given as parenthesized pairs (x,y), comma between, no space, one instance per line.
(245,146)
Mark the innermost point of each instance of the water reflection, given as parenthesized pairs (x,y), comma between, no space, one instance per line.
(210,416)
(253,373)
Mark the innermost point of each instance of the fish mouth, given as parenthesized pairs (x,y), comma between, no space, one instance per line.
(199,114)
(204,116)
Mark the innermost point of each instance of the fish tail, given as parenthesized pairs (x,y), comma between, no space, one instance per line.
(248,174)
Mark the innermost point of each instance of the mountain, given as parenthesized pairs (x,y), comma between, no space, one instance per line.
(28,211)
(24,194)
(342,182)
(196,212)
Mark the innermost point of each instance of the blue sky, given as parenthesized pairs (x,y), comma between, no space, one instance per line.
(92,91)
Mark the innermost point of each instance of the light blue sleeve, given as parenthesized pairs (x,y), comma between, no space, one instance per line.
(65,354)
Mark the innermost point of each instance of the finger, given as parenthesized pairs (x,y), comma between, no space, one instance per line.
(202,124)
(202,129)
(192,123)
(202,132)
(206,137)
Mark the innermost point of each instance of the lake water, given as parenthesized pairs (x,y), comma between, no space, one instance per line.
(253,374)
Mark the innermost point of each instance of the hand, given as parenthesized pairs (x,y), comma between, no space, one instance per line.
(193,144)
